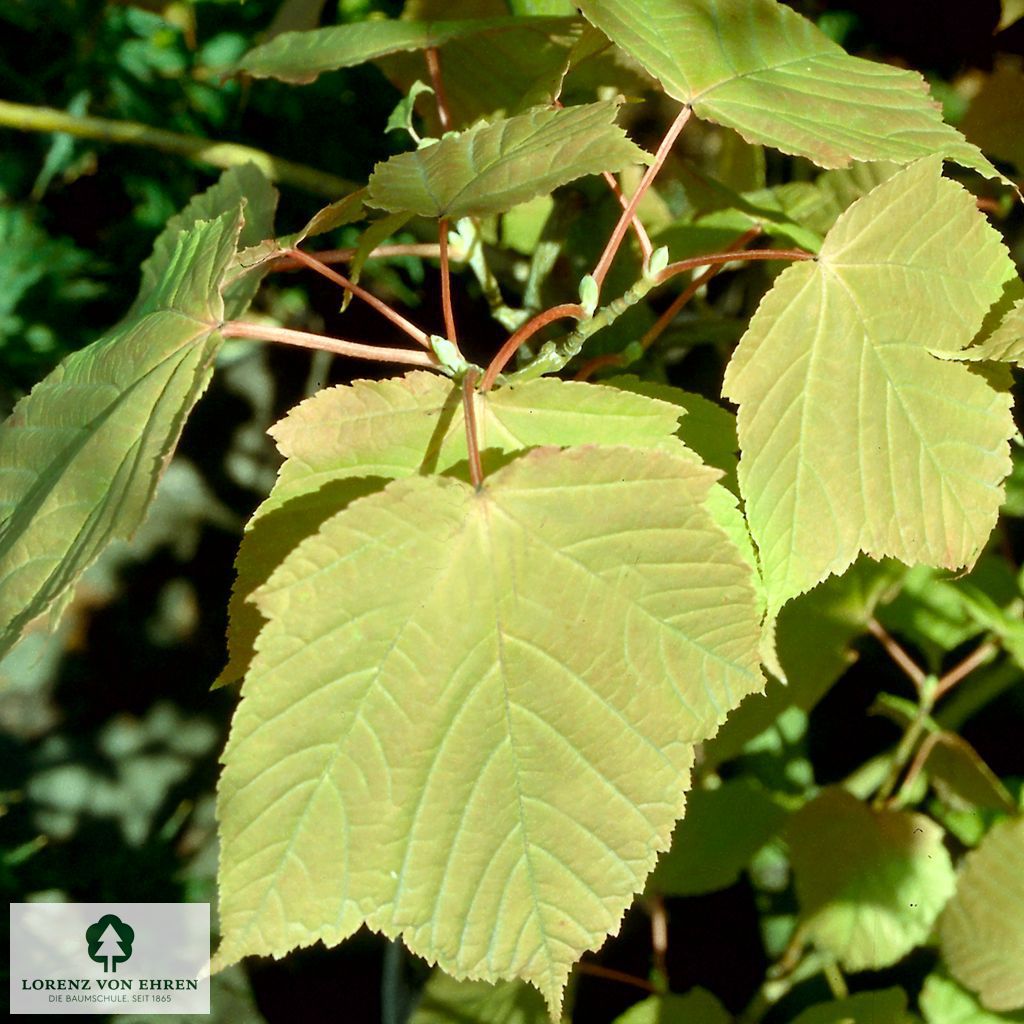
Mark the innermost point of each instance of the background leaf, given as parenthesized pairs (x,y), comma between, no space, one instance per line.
(982,930)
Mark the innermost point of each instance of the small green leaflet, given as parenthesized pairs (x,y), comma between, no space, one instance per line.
(80,457)
(430,740)
(348,441)
(493,167)
(849,425)
(301,56)
(1006,343)
(982,930)
(759,67)
(870,884)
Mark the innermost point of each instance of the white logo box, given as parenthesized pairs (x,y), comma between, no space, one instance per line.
(137,958)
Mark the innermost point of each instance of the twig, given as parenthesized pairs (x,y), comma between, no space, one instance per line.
(619,232)
(910,668)
(382,307)
(25,117)
(476,471)
(977,657)
(646,248)
(585,967)
(659,936)
(446,284)
(425,250)
(589,368)
(437,81)
(744,255)
(917,765)
(266,332)
(530,328)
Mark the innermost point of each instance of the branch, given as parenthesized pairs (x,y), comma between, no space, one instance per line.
(25,117)
(444,115)
(303,339)
(425,250)
(530,328)
(619,232)
(646,248)
(382,307)
(446,284)
(977,657)
(910,668)
(745,255)
(476,472)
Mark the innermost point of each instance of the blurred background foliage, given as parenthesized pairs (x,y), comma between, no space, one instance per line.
(109,733)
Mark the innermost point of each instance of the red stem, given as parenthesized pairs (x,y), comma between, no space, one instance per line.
(434,68)
(744,255)
(446,284)
(639,230)
(530,328)
(601,270)
(382,307)
(265,332)
(426,250)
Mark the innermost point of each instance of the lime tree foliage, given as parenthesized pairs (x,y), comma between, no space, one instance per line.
(512,621)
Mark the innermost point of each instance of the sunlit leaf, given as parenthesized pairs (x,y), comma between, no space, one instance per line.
(81,455)
(471,716)
(762,69)
(494,167)
(850,428)
(347,441)
(943,1001)
(982,930)
(871,884)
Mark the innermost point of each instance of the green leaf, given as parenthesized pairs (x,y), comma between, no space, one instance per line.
(982,930)
(494,167)
(375,234)
(943,1001)
(698,1006)
(871,884)
(401,117)
(471,716)
(413,424)
(447,1001)
(834,614)
(1006,343)
(717,839)
(246,184)
(301,56)
(854,436)
(888,1006)
(963,779)
(760,68)
(81,455)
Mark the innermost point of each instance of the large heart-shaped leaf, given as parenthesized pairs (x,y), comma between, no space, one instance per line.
(493,167)
(850,428)
(759,67)
(348,441)
(471,716)
(81,455)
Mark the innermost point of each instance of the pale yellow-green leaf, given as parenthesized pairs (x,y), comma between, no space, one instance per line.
(762,69)
(493,167)
(471,716)
(1012,12)
(81,455)
(870,884)
(378,430)
(854,436)
(982,929)
(1006,342)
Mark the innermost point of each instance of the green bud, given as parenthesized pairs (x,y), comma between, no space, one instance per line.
(590,294)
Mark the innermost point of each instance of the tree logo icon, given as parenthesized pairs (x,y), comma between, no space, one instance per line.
(110,942)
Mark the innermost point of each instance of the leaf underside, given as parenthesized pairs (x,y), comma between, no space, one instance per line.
(81,455)
(493,167)
(471,716)
(762,69)
(855,437)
